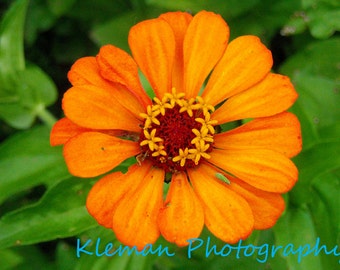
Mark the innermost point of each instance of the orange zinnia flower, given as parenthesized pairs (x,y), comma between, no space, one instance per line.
(230,181)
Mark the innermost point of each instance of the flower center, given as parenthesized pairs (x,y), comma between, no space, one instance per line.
(177,133)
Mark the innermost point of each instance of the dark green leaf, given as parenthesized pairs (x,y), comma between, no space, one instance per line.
(296,227)
(321,17)
(327,186)
(11,62)
(319,58)
(11,39)
(261,21)
(324,21)
(27,160)
(102,262)
(228,8)
(39,19)
(315,73)
(29,258)
(316,94)
(60,213)
(115,31)
(325,211)
(314,162)
(9,259)
(16,116)
(36,89)
(65,256)
(60,7)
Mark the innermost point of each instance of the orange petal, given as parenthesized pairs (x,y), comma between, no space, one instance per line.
(152,43)
(63,130)
(135,218)
(280,133)
(92,153)
(106,193)
(245,63)
(182,217)
(273,95)
(227,215)
(204,44)
(179,22)
(118,67)
(267,207)
(86,71)
(94,107)
(262,168)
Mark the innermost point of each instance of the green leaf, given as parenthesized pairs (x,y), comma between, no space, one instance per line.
(36,89)
(296,227)
(9,259)
(60,7)
(11,61)
(124,261)
(229,8)
(104,33)
(325,211)
(316,94)
(263,20)
(324,21)
(16,116)
(316,223)
(27,160)
(313,162)
(24,92)
(315,73)
(65,256)
(60,213)
(11,39)
(115,31)
(314,3)
(319,58)
(39,19)
(327,187)
(309,130)
(321,17)
(28,258)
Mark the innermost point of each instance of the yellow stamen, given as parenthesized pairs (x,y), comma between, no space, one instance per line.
(183,155)
(199,152)
(151,140)
(188,106)
(204,106)
(207,123)
(202,135)
(150,117)
(175,98)
(159,151)
(161,105)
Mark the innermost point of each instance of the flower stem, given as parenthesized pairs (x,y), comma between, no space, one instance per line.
(45,116)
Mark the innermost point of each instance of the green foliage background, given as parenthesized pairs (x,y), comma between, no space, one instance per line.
(42,206)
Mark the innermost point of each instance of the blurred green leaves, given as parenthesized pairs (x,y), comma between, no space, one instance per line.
(60,213)
(230,8)
(314,201)
(322,18)
(318,84)
(25,91)
(28,160)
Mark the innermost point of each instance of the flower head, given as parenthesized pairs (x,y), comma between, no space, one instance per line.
(109,118)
